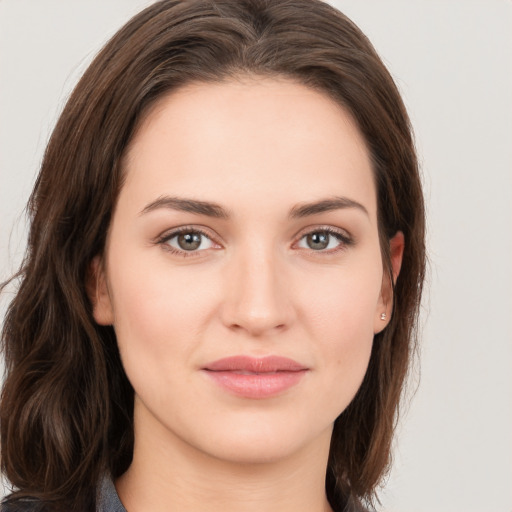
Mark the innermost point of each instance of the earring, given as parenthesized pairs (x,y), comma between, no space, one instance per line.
(383,316)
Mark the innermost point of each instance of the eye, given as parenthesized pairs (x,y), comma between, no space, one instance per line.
(324,240)
(186,241)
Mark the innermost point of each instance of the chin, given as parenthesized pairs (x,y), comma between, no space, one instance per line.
(257,451)
(263,442)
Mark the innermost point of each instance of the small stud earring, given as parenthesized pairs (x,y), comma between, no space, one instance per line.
(383,316)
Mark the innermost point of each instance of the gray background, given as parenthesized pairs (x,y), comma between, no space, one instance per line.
(452,60)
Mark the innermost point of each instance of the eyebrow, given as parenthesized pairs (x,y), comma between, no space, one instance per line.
(324,205)
(188,205)
(215,210)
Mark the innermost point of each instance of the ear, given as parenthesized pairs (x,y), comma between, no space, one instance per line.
(97,291)
(385,305)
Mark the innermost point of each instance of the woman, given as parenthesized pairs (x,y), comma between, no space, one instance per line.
(218,302)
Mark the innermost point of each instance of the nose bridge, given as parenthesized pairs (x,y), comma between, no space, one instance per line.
(257,298)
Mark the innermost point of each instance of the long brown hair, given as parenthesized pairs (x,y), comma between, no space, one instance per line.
(67,406)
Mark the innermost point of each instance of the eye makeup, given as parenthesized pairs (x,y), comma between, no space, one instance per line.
(195,235)
(165,239)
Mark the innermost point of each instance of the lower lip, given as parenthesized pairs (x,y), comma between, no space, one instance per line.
(256,385)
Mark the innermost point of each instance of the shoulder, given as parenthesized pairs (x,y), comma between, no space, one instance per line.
(22,506)
(108,499)
(354,505)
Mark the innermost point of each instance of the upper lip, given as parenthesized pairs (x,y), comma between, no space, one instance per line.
(267,364)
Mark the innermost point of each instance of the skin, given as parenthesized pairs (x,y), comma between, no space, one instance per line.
(258,147)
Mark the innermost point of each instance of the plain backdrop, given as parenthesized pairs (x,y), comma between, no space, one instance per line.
(452,61)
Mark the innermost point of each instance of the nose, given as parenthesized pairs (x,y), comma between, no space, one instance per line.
(257,296)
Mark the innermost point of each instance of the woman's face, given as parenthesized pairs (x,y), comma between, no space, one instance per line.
(243,272)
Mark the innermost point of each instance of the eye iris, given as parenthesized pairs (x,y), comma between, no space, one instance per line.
(189,241)
(318,240)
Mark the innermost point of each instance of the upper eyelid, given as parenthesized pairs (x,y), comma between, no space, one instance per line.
(344,234)
(332,229)
(170,233)
(206,231)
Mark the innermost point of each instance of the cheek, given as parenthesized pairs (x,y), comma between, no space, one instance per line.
(341,305)
(158,328)
(340,317)
(156,312)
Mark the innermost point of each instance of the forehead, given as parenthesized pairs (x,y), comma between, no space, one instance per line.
(237,138)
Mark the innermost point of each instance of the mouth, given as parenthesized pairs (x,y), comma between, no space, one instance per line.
(255,377)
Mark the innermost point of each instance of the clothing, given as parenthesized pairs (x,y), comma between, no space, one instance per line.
(108,500)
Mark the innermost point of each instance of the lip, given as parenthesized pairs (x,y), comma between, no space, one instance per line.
(255,377)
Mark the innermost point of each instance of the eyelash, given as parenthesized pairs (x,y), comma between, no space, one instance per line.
(185,229)
(346,241)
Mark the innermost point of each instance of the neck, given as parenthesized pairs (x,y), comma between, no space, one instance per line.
(169,474)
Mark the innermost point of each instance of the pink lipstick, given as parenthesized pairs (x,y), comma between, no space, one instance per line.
(255,377)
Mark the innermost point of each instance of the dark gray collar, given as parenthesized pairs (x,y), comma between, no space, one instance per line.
(108,500)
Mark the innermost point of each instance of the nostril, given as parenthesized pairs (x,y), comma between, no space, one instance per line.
(257,308)
(257,329)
